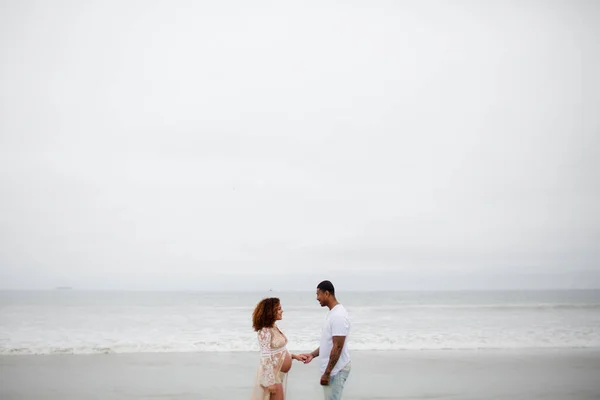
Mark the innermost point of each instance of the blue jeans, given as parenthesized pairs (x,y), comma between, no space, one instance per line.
(334,390)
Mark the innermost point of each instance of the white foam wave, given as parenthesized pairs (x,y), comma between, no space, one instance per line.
(361,344)
(180,349)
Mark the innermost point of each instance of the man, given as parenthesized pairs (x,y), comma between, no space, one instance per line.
(335,357)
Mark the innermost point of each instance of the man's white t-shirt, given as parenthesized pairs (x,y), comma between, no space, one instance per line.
(336,323)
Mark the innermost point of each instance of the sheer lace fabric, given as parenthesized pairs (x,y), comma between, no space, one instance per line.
(272,343)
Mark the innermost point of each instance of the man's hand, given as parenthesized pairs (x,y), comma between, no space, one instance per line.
(325,379)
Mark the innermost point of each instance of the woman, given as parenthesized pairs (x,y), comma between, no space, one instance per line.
(275,359)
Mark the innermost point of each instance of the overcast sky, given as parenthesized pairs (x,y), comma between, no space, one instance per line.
(195,145)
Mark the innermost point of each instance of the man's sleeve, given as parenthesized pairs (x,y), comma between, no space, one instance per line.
(340,325)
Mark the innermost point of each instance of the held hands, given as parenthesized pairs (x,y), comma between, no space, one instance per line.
(272,389)
(299,357)
(305,358)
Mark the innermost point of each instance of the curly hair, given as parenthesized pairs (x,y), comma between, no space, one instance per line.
(265,313)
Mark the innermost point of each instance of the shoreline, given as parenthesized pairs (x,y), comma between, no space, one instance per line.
(533,350)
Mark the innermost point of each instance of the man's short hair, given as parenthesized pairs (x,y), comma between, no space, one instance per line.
(326,286)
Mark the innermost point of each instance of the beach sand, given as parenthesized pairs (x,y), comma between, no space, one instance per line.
(450,374)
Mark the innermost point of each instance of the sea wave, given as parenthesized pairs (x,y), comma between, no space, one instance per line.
(224,347)
(94,324)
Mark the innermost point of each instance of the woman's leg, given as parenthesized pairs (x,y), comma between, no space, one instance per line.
(278,395)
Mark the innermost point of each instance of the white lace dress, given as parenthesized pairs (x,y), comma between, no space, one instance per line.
(273,351)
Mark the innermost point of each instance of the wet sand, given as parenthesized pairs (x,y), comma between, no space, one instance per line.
(451,374)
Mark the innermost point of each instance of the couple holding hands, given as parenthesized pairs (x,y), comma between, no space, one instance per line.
(276,360)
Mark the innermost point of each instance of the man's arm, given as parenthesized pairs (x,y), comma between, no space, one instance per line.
(336,351)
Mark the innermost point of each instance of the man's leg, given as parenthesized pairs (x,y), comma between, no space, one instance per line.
(334,390)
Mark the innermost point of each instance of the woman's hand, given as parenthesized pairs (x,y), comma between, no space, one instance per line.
(272,389)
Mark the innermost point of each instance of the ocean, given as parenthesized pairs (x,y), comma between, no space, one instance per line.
(90,322)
